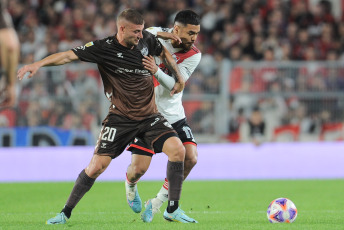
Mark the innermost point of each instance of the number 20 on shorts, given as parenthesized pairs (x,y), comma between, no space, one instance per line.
(109,134)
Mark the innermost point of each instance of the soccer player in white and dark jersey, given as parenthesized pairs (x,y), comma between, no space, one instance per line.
(179,41)
(133,112)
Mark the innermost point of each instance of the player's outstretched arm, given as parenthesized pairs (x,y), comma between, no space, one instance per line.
(52,60)
(172,66)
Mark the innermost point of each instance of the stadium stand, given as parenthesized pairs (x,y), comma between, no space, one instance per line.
(244,45)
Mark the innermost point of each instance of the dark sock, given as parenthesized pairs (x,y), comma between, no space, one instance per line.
(67,211)
(175,176)
(82,185)
(172,206)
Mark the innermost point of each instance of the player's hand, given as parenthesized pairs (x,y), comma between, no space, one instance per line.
(32,69)
(167,36)
(177,88)
(149,64)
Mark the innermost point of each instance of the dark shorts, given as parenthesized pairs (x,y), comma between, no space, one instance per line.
(5,20)
(139,146)
(118,131)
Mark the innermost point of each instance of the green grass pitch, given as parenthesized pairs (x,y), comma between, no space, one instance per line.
(215,204)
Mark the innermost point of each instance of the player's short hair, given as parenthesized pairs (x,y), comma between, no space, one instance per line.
(187,17)
(132,16)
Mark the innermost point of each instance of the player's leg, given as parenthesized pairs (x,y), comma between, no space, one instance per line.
(186,136)
(9,48)
(137,168)
(153,205)
(191,156)
(140,159)
(190,161)
(163,138)
(175,151)
(83,184)
(115,135)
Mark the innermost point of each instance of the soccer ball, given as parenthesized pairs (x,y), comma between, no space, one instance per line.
(282,210)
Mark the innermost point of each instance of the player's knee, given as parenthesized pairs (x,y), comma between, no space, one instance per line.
(190,161)
(138,171)
(95,170)
(174,149)
(12,46)
(178,153)
(193,161)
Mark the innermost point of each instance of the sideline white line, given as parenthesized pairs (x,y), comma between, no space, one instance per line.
(130,212)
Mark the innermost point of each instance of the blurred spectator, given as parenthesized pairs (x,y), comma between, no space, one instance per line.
(235,119)
(254,129)
(73,121)
(57,114)
(203,118)
(300,117)
(235,53)
(248,23)
(300,46)
(69,41)
(244,100)
(283,52)
(248,30)
(274,107)
(30,44)
(33,114)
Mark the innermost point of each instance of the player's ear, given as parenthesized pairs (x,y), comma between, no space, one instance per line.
(176,28)
(121,28)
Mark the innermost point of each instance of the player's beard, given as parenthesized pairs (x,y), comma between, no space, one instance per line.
(187,46)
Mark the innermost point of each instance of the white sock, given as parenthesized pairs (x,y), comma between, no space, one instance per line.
(162,196)
(130,188)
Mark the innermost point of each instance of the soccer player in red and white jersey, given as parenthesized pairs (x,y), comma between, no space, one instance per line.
(179,41)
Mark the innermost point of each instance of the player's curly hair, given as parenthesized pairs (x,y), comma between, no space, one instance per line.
(132,16)
(187,17)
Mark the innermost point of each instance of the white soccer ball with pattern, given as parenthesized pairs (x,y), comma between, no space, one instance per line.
(282,210)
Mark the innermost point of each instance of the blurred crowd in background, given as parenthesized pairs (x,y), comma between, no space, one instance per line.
(232,30)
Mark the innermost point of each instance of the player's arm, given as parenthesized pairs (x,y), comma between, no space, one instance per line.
(167,36)
(172,66)
(52,60)
(168,60)
(160,33)
(164,79)
(186,69)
